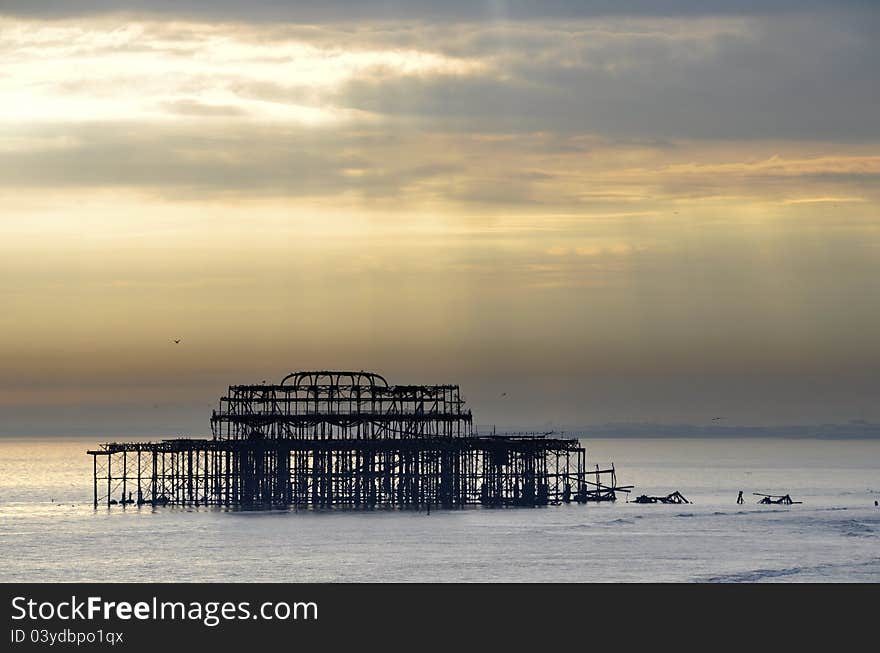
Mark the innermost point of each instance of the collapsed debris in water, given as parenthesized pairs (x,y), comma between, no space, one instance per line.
(675,497)
(784,499)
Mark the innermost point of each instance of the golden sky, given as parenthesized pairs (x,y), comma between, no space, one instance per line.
(635,217)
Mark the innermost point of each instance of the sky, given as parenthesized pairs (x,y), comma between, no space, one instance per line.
(582,212)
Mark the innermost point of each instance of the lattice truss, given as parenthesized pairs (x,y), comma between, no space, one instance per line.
(340,405)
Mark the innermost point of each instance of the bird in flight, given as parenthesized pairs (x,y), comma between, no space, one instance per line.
(715,419)
(177,341)
(503,394)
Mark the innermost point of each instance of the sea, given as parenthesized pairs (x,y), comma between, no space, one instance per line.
(50,532)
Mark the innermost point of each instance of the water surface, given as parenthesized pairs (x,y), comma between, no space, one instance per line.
(50,532)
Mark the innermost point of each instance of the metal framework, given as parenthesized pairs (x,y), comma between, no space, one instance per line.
(347,439)
(340,405)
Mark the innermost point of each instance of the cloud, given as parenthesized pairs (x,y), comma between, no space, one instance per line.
(336,11)
(794,77)
(195,108)
(593,114)
(212,154)
(799,76)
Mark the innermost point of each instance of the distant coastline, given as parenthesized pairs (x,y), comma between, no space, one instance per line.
(855,430)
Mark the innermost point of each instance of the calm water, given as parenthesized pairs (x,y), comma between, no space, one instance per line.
(49,531)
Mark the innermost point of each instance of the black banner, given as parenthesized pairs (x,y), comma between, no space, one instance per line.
(257,617)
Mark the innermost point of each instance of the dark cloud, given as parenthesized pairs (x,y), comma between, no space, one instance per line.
(777,78)
(804,75)
(204,155)
(320,11)
(215,156)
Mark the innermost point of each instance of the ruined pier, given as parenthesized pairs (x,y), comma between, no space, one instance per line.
(350,440)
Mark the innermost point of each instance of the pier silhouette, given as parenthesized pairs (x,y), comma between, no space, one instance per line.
(348,439)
